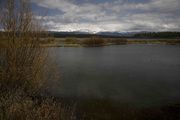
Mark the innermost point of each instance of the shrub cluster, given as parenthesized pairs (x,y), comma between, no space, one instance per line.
(94,42)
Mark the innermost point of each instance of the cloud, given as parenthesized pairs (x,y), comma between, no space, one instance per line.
(117,15)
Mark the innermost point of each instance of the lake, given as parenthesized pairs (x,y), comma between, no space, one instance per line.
(133,74)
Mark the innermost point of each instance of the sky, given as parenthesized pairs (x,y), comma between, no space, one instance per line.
(108,15)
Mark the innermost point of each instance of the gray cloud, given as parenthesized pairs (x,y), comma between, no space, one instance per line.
(118,15)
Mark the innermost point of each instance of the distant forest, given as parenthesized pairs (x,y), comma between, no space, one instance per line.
(120,35)
(133,35)
(158,35)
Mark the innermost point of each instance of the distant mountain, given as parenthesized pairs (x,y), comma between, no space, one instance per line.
(142,34)
(122,34)
(87,34)
(70,34)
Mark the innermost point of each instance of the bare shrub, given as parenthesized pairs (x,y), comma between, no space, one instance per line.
(25,67)
(24,64)
(71,40)
(120,41)
(94,42)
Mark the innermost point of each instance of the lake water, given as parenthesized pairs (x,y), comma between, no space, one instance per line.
(135,74)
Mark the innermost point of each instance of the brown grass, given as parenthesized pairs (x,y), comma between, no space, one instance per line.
(118,41)
(18,106)
(71,40)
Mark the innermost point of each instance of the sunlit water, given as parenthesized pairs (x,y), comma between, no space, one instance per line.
(135,74)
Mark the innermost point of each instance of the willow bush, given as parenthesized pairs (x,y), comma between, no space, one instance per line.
(24,64)
(94,41)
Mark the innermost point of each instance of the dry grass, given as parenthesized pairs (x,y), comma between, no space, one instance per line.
(118,41)
(155,41)
(71,40)
(18,106)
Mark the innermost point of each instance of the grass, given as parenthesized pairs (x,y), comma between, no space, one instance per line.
(71,40)
(18,106)
(22,107)
(118,41)
(86,42)
(162,41)
(97,42)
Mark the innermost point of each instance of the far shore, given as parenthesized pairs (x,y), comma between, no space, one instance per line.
(78,42)
(97,42)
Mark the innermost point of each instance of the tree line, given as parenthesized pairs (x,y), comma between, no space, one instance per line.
(158,35)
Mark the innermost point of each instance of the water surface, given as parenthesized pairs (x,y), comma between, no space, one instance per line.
(135,74)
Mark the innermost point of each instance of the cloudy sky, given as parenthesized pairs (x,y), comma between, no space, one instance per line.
(109,15)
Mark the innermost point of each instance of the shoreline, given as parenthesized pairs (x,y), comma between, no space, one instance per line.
(80,45)
(101,42)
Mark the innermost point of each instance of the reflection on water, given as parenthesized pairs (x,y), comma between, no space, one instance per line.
(137,74)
